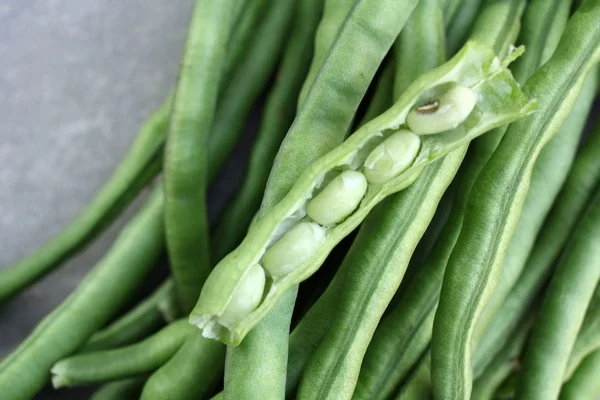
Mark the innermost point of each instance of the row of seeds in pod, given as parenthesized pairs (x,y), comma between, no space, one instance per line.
(344,193)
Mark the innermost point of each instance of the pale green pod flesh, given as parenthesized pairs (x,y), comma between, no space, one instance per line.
(339,198)
(247,296)
(499,101)
(392,157)
(442,114)
(295,247)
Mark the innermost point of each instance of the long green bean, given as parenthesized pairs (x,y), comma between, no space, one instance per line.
(90,306)
(496,200)
(555,232)
(549,174)
(136,324)
(584,384)
(127,389)
(126,362)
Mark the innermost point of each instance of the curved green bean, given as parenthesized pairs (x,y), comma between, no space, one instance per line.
(555,232)
(280,109)
(584,384)
(240,93)
(461,25)
(418,384)
(192,115)
(495,203)
(136,324)
(127,389)
(562,311)
(247,18)
(502,365)
(335,13)
(549,174)
(588,338)
(126,362)
(184,377)
(112,281)
(404,334)
(140,165)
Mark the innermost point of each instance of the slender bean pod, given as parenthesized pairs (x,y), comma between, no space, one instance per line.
(584,384)
(184,377)
(126,362)
(418,385)
(247,18)
(562,311)
(548,176)
(240,93)
(502,365)
(279,113)
(127,389)
(191,119)
(460,27)
(588,338)
(90,306)
(136,324)
(496,200)
(335,13)
(404,334)
(555,232)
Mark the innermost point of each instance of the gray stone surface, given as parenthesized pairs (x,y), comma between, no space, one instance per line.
(77,79)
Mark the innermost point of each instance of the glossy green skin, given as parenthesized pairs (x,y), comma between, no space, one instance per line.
(502,365)
(334,17)
(474,64)
(548,176)
(135,325)
(418,384)
(240,93)
(280,110)
(588,338)
(128,389)
(412,62)
(312,134)
(459,28)
(404,334)
(555,232)
(184,377)
(495,203)
(562,311)
(243,31)
(379,262)
(584,384)
(96,300)
(126,362)
(186,165)
(142,163)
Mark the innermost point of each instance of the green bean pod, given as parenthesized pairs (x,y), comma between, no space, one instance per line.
(588,338)
(562,311)
(184,377)
(418,384)
(126,362)
(505,362)
(335,13)
(459,27)
(127,389)
(136,324)
(555,232)
(548,176)
(496,200)
(244,23)
(240,92)
(280,109)
(479,85)
(584,383)
(90,306)
(140,165)
(192,115)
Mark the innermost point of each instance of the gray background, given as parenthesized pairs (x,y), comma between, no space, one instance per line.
(77,79)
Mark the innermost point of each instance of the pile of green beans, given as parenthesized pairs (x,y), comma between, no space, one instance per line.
(450,135)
